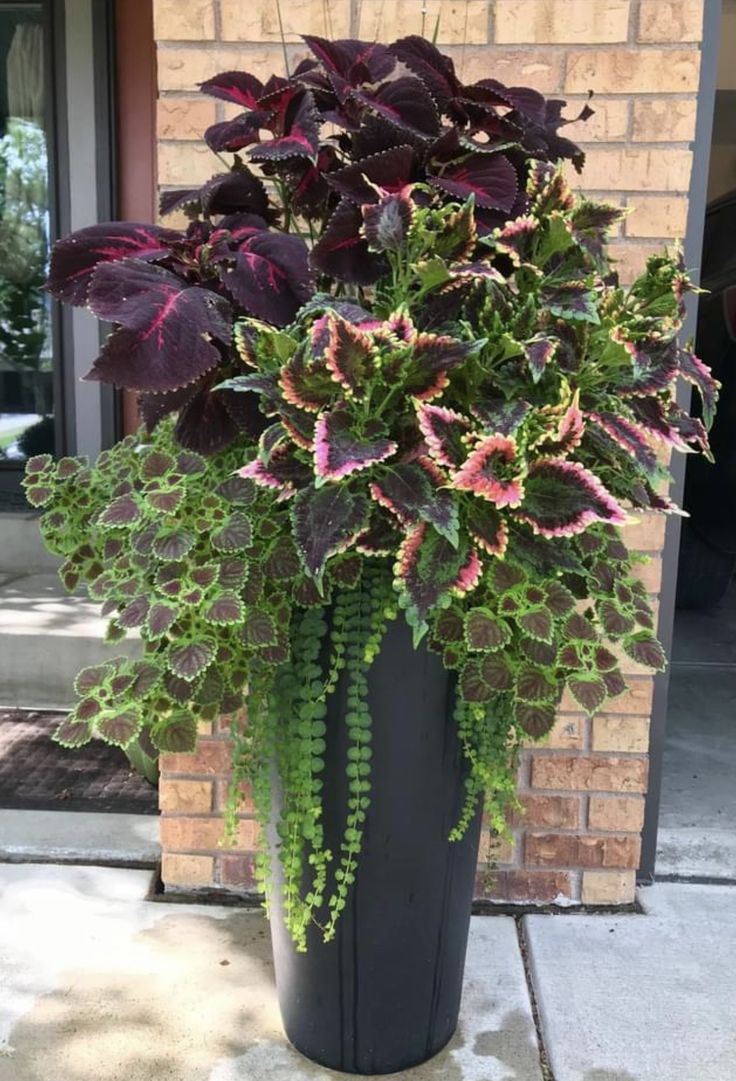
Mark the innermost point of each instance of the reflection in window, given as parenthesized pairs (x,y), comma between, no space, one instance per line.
(26,396)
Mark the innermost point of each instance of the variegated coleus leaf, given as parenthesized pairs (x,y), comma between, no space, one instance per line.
(539,352)
(305,384)
(499,415)
(429,569)
(409,491)
(348,352)
(692,368)
(167,328)
(444,432)
(284,473)
(487,527)
(325,521)
(424,375)
(566,435)
(629,436)
(562,498)
(653,364)
(340,450)
(492,472)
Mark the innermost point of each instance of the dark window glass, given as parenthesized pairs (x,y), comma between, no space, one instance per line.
(26,358)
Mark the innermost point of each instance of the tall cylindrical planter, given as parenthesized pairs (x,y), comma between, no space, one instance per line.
(384,995)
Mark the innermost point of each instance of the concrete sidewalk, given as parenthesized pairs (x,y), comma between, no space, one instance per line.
(98,982)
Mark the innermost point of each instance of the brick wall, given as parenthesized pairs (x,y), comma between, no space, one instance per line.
(583,792)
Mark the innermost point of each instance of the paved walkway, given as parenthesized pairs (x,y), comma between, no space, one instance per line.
(96,981)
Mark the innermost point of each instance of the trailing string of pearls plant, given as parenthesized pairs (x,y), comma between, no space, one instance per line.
(441,412)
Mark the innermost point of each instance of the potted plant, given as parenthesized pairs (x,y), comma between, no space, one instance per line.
(396,407)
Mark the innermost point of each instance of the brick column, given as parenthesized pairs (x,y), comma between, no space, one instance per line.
(583,791)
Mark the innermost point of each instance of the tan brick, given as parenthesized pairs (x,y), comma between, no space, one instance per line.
(552,812)
(459,20)
(186,164)
(183,20)
(586,774)
(629,258)
(557,22)
(633,71)
(636,699)
(524,886)
(608,887)
(670,20)
(620,733)
(581,850)
(495,849)
(621,814)
(235,871)
(211,756)
(608,124)
(181,834)
(646,534)
(185,69)
(177,870)
(539,68)
(650,573)
(184,118)
(259,21)
(634,168)
(221,796)
(657,216)
(185,796)
(664,120)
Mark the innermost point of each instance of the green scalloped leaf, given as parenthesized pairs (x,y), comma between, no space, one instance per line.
(122,512)
(646,650)
(173,544)
(535,718)
(38,494)
(534,685)
(449,626)
(560,600)
(176,734)
(225,610)
(235,536)
(497,673)
(615,622)
(191,659)
(484,631)
(119,728)
(259,629)
(72,732)
(159,619)
(537,623)
(579,626)
(589,691)
(473,686)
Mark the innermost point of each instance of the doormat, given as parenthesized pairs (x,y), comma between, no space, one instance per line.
(37,774)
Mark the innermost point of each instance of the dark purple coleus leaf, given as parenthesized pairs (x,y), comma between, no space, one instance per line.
(233,193)
(299,137)
(654,365)
(269,275)
(647,650)
(381,538)
(233,135)
(326,521)
(235,86)
(367,60)
(490,178)
(562,498)
(405,102)
(572,300)
(386,224)
(390,170)
(339,450)
(167,329)
(74,259)
(435,70)
(343,253)
(409,492)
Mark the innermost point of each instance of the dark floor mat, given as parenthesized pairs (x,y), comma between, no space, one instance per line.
(37,774)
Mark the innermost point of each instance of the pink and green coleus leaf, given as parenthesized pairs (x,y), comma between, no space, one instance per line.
(386,224)
(539,352)
(491,471)
(284,473)
(567,433)
(444,432)
(499,415)
(429,569)
(562,498)
(487,527)
(167,328)
(381,538)
(425,373)
(326,521)
(409,492)
(339,450)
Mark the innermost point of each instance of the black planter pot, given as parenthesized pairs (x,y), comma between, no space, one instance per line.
(385,994)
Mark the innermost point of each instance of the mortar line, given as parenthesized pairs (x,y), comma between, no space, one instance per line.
(544,1060)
